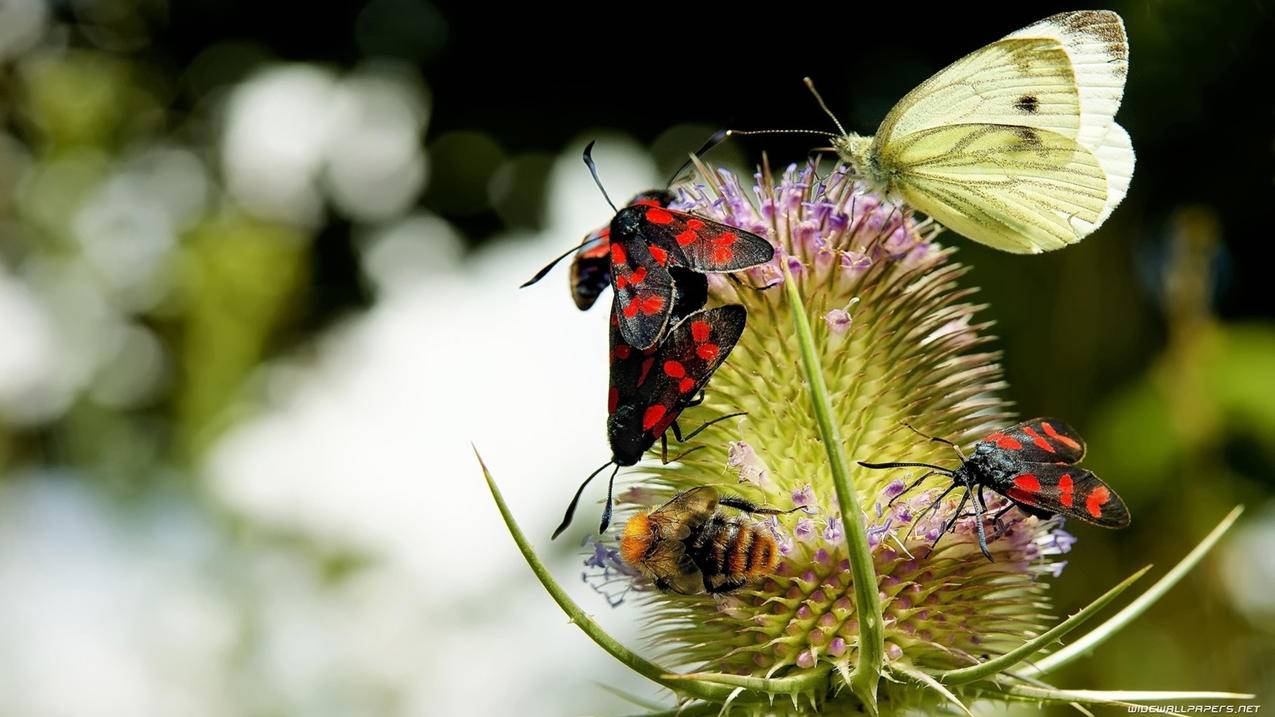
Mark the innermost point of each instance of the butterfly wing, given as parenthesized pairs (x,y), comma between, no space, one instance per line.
(1016,189)
(1074,492)
(591,269)
(1065,74)
(654,391)
(1062,78)
(1040,440)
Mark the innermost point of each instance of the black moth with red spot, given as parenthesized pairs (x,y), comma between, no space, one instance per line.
(651,387)
(1033,465)
(646,242)
(591,266)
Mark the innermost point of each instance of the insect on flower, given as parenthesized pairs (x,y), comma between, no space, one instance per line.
(651,387)
(1033,465)
(688,542)
(591,266)
(646,243)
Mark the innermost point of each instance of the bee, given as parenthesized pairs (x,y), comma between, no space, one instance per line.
(688,542)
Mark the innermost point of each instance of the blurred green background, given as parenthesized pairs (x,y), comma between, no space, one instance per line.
(256,297)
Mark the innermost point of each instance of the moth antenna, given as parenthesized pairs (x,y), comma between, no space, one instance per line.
(548,267)
(718,137)
(810,84)
(575,500)
(931,466)
(593,169)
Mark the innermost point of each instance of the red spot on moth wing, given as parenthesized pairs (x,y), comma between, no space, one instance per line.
(656,215)
(658,254)
(1027,482)
(1038,440)
(1054,434)
(726,238)
(646,203)
(722,254)
(621,352)
(613,399)
(1004,441)
(700,331)
(674,369)
(638,275)
(618,256)
(652,416)
(644,371)
(1065,489)
(686,237)
(694,224)
(686,385)
(630,309)
(708,352)
(1097,498)
(652,304)
(1021,496)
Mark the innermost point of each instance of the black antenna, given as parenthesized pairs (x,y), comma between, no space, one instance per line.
(810,84)
(549,267)
(571,508)
(593,169)
(718,137)
(940,469)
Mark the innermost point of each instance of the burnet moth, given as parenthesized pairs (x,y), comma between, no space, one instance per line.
(651,387)
(645,242)
(1033,464)
(591,266)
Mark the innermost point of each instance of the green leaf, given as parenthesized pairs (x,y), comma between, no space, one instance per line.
(793,685)
(930,682)
(1139,605)
(1034,645)
(635,662)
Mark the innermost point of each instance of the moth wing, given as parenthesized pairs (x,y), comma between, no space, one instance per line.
(1016,189)
(703,244)
(591,269)
(1040,440)
(685,361)
(1073,492)
(643,292)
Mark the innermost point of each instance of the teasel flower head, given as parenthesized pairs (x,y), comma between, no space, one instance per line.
(861,337)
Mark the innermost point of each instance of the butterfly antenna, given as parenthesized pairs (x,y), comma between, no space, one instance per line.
(810,84)
(593,169)
(548,267)
(575,500)
(718,137)
(751,132)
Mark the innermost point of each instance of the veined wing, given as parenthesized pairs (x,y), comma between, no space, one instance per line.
(1016,189)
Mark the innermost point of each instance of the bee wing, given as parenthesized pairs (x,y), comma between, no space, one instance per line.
(676,518)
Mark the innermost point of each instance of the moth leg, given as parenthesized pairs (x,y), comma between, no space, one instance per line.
(740,282)
(930,508)
(980,505)
(914,484)
(697,431)
(679,456)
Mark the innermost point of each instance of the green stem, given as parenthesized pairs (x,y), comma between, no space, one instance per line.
(867,602)
(638,664)
(1036,644)
(1131,611)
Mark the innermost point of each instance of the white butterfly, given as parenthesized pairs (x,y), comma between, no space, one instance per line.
(1014,145)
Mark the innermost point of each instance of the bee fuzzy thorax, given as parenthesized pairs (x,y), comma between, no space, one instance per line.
(636,540)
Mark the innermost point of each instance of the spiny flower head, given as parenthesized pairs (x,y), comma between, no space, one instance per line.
(899,345)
